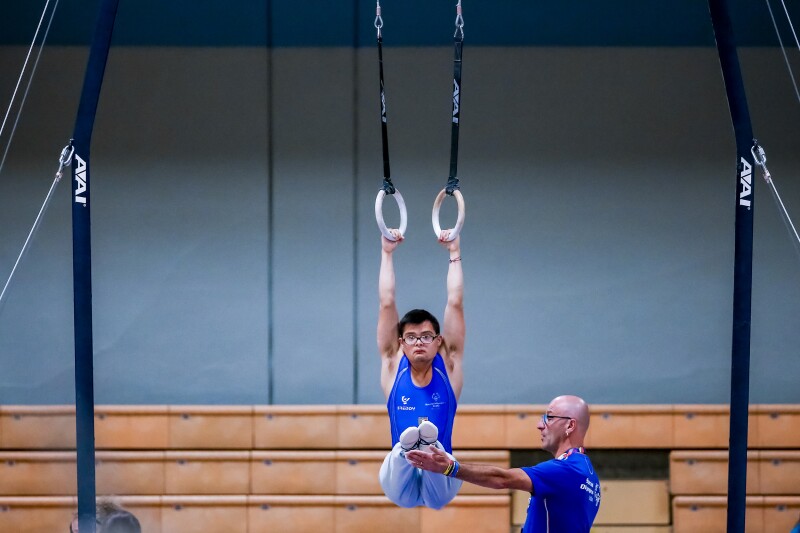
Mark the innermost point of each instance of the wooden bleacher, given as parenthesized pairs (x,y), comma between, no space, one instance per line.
(704,472)
(709,513)
(699,477)
(239,513)
(493,427)
(211,472)
(314,468)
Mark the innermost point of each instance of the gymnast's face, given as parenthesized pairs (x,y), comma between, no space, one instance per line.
(420,342)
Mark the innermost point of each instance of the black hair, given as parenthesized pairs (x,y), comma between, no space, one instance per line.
(417,316)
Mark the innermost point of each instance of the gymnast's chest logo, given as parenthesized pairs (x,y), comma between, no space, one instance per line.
(405,406)
(80,180)
(435,401)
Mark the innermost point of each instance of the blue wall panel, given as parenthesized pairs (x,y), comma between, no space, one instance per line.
(407,23)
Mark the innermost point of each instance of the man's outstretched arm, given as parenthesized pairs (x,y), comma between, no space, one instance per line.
(489,476)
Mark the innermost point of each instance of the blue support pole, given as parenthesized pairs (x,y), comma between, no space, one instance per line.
(743,265)
(82,265)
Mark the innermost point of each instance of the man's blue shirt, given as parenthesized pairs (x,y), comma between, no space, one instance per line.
(566,496)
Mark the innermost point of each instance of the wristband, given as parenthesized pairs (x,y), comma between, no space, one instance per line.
(456,259)
(448,470)
(452,469)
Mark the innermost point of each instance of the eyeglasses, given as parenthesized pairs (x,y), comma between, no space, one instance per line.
(425,339)
(546,418)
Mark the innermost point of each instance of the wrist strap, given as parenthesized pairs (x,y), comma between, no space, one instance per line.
(452,469)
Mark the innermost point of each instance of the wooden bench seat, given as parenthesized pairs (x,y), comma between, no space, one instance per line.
(256,514)
(642,505)
(205,472)
(764,514)
(778,426)
(634,503)
(41,514)
(40,427)
(341,472)
(779,472)
(705,472)
(704,426)
(295,427)
(632,529)
(366,427)
(54,473)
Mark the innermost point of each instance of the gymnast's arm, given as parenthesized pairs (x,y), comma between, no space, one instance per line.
(453,330)
(388,338)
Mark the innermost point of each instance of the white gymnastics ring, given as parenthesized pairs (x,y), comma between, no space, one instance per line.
(437,229)
(379,213)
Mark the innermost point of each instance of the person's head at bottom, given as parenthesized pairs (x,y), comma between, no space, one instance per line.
(111,518)
(73,526)
(121,522)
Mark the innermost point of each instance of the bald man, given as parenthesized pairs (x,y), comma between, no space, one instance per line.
(565,491)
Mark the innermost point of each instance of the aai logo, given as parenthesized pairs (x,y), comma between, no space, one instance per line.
(746,183)
(80,179)
(456,101)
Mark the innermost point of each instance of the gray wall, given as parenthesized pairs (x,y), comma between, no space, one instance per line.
(598,247)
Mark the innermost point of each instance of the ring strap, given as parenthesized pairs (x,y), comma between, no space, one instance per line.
(452,181)
(387,186)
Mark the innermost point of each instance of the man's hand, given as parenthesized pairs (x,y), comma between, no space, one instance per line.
(489,476)
(389,246)
(450,246)
(434,461)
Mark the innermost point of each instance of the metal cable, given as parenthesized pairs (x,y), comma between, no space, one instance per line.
(760,158)
(783,49)
(787,221)
(30,79)
(789,18)
(63,160)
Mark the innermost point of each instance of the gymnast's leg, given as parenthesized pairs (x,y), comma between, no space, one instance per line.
(400,481)
(437,489)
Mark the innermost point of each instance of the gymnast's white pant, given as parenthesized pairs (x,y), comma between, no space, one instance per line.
(407,486)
